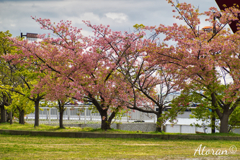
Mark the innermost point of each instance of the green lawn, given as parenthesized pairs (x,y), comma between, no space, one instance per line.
(29,147)
(41,127)
(39,147)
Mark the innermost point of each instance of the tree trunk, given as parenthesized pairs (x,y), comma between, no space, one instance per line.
(159,120)
(105,125)
(36,123)
(3,114)
(224,123)
(10,117)
(61,111)
(213,119)
(159,123)
(21,117)
(214,106)
(105,121)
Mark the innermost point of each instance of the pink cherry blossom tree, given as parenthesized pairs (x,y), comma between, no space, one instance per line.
(87,65)
(198,56)
(53,97)
(150,84)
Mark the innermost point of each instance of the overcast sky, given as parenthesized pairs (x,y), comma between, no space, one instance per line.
(119,14)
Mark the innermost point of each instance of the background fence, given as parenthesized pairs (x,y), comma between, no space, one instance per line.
(85,115)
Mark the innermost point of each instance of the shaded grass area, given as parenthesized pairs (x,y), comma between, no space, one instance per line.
(28,147)
(43,127)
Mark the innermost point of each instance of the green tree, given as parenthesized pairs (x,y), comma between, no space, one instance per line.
(21,104)
(16,77)
(29,79)
(205,109)
(6,76)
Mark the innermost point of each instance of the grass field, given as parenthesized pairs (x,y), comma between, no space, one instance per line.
(28,147)
(39,147)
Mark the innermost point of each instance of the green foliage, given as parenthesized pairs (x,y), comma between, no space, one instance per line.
(234,120)
(17,81)
(203,99)
(120,114)
(179,105)
(138,26)
(7,78)
(50,104)
(20,102)
(5,43)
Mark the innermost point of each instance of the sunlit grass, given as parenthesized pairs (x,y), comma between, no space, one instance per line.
(39,147)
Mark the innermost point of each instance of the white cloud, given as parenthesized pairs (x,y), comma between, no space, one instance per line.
(118,17)
(90,16)
(87,33)
(119,14)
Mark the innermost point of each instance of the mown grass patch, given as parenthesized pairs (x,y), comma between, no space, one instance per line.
(28,147)
(41,127)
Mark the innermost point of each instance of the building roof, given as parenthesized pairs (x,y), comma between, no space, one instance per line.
(222,4)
